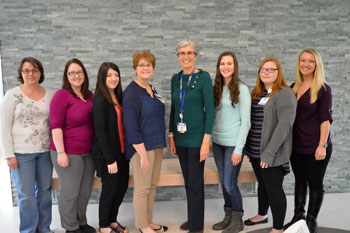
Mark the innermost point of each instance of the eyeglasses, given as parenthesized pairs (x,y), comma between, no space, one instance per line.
(72,74)
(188,53)
(149,65)
(270,70)
(30,71)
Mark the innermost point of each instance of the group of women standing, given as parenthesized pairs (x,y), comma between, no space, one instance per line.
(89,133)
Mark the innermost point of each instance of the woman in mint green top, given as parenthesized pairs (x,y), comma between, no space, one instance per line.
(231,127)
(191,122)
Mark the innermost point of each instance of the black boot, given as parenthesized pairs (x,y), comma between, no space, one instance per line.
(299,205)
(315,202)
(226,221)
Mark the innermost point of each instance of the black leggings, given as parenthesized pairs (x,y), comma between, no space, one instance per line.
(270,192)
(309,171)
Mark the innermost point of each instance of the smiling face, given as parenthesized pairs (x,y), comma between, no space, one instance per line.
(144,69)
(30,73)
(187,57)
(268,78)
(112,79)
(307,64)
(75,75)
(227,66)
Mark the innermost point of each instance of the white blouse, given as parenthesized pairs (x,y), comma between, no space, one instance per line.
(24,123)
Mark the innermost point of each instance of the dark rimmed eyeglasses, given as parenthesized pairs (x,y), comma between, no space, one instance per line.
(30,71)
(72,74)
(270,70)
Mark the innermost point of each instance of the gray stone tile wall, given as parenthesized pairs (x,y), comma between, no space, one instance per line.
(105,30)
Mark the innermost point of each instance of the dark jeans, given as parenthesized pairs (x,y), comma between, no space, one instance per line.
(270,192)
(114,187)
(192,171)
(309,171)
(228,176)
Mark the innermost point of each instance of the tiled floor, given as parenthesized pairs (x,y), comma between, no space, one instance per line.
(335,212)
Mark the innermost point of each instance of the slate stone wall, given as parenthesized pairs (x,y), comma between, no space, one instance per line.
(104,30)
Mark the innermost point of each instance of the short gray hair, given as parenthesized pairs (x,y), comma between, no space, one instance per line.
(184,43)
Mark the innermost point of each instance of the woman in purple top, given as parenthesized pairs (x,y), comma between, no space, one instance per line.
(72,135)
(312,146)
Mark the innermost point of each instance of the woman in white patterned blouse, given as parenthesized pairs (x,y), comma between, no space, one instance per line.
(25,141)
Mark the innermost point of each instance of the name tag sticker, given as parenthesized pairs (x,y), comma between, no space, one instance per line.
(263,100)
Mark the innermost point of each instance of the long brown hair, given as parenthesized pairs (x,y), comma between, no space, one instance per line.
(280,81)
(66,85)
(101,86)
(233,84)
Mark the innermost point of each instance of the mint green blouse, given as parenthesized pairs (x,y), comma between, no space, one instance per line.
(232,124)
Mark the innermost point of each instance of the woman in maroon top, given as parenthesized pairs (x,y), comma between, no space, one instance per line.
(312,146)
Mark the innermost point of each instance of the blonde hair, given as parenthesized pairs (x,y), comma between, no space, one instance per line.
(319,78)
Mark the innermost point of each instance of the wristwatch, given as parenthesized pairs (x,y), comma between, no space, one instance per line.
(323,144)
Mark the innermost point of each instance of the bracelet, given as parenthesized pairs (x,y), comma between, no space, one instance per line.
(63,152)
(170,135)
(323,144)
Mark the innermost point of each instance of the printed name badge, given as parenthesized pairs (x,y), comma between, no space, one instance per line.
(263,100)
(181,127)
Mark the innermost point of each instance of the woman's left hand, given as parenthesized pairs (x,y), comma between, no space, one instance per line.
(204,153)
(112,168)
(320,153)
(236,159)
(263,165)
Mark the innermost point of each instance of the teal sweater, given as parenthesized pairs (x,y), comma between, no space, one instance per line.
(232,124)
(198,108)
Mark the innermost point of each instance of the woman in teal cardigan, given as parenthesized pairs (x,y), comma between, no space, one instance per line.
(191,122)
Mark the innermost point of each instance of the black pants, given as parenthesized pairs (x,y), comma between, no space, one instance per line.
(270,192)
(309,171)
(192,171)
(114,187)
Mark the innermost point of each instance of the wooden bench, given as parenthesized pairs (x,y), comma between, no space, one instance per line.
(171,174)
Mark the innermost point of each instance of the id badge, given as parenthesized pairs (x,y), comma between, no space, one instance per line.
(263,100)
(181,127)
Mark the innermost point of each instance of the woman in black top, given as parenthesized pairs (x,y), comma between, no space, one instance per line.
(108,147)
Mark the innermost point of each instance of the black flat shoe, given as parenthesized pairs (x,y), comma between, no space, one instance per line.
(161,228)
(87,229)
(248,222)
(184,226)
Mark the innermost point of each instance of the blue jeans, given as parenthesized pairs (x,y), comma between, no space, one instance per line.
(33,181)
(228,176)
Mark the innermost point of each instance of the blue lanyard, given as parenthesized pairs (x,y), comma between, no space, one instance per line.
(182,97)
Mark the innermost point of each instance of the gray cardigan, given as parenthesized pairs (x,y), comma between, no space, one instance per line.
(276,137)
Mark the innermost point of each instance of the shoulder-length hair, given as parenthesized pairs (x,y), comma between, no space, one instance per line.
(36,63)
(233,84)
(144,54)
(280,81)
(101,86)
(319,78)
(66,85)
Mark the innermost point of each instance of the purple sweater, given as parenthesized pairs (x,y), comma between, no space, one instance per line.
(306,130)
(74,117)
